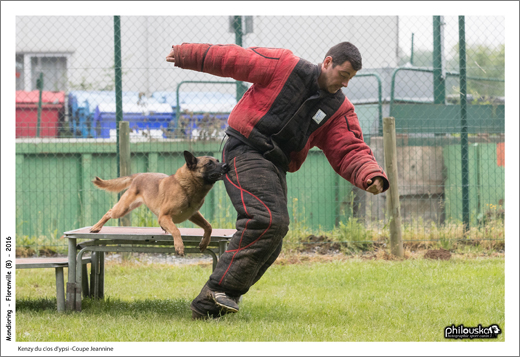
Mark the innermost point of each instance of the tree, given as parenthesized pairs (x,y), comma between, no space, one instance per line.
(484,62)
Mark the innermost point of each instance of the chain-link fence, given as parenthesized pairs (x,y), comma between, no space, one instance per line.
(450,130)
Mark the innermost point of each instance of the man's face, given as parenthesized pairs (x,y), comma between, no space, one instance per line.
(332,78)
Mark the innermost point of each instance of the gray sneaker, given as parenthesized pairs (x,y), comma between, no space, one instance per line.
(228,303)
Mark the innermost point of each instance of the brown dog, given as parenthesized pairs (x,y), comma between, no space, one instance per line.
(173,199)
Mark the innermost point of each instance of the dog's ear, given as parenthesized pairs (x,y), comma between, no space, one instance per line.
(191,161)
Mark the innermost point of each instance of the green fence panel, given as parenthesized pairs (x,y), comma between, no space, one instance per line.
(63,197)
(439,118)
(48,194)
(491,179)
(316,194)
(104,166)
(486,182)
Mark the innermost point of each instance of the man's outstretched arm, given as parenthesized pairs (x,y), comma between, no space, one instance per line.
(254,65)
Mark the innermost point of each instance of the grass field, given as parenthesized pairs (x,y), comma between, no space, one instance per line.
(350,299)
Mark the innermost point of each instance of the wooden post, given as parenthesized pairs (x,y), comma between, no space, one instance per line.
(124,160)
(392,195)
(86,185)
(124,169)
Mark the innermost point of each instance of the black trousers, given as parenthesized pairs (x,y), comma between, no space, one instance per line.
(258,191)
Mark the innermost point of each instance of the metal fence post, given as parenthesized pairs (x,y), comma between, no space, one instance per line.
(118,83)
(439,78)
(39,85)
(411,52)
(237,24)
(463,124)
(392,196)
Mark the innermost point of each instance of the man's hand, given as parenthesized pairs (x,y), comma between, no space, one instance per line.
(375,187)
(170,57)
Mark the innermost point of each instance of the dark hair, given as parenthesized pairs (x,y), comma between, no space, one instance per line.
(345,51)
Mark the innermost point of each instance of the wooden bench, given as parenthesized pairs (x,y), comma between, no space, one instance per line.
(58,264)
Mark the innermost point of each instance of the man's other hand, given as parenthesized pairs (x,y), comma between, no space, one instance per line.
(375,187)
(170,57)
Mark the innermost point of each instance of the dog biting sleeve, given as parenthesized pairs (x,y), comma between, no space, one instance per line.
(255,65)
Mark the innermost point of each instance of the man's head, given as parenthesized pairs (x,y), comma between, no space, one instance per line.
(341,63)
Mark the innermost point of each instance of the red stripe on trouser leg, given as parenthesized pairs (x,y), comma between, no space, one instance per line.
(236,251)
(238,182)
(245,228)
(268,210)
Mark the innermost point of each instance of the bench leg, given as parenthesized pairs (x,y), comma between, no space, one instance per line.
(97,275)
(71,291)
(101,280)
(214,256)
(84,280)
(60,289)
(94,286)
(71,296)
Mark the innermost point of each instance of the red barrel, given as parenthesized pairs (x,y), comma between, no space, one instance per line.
(27,113)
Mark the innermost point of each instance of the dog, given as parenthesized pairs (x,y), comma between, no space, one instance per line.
(173,199)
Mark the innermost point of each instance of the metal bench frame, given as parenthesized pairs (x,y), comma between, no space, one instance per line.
(58,264)
(128,239)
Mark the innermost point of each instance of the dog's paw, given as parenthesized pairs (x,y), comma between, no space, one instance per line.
(179,252)
(203,246)
(94,230)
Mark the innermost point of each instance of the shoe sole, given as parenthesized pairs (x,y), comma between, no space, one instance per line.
(228,309)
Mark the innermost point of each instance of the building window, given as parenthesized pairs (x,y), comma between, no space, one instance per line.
(53,66)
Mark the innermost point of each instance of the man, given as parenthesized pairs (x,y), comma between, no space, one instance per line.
(293,105)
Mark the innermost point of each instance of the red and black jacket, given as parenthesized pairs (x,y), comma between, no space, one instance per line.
(284,113)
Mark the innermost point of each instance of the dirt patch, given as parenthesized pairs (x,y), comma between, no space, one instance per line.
(47,252)
(24,252)
(320,245)
(382,254)
(307,258)
(27,252)
(441,254)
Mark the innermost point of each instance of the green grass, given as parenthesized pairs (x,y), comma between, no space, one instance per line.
(340,300)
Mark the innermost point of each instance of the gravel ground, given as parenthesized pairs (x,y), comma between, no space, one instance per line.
(145,258)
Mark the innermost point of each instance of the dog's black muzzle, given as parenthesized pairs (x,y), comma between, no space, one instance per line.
(218,175)
(225,170)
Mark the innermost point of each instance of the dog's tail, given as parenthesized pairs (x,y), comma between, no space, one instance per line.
(114,185)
